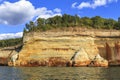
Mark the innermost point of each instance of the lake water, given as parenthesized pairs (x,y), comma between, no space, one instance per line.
(59,73)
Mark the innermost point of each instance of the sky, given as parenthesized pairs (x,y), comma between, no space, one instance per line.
(14,14)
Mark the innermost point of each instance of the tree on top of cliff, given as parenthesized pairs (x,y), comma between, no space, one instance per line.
(11,42)
(66,21)
(118,24)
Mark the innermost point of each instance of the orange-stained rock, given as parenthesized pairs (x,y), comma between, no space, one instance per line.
(52,62)
(57,49)
(117,51)
(99,62)
(10,63)
(108,52)
(23,63)
(81,64)
(3,61)
(57,61)
(54,48)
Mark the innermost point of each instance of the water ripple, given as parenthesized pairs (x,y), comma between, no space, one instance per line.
(59,73)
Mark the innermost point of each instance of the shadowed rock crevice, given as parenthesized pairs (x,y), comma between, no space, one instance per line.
(117,51)
(108,52)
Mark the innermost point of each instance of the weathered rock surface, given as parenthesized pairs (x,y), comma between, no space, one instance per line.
(99,61)
(58,49)
(116,60)
(77,48)
(80,58)
(117,51)
(108,52)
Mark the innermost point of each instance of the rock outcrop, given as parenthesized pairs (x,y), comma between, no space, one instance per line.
(58,49)
(98,61)
(13,59)
(80,58)
(109,49)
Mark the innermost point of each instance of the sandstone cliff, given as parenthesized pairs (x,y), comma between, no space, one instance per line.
(67,48)
(109,48)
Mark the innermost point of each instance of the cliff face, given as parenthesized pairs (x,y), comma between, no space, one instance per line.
(109,48)
(6,54)
(60,49)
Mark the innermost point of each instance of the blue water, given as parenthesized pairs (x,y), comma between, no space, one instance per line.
(59,73)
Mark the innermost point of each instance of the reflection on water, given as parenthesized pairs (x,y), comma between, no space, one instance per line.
(59,73)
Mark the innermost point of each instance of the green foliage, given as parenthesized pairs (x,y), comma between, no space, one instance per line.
(66,20)
(117,24)
(86,21)
(119,20)
(109,24)
(10,42)
(97,22)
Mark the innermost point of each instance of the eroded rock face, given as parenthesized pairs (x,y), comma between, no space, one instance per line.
(114,58)
(108,52)
(109,49)
(51,61)
(57,49)
(117,51)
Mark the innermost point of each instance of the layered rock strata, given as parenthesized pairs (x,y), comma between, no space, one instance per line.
(110,50)
(116,54)
(59,49)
